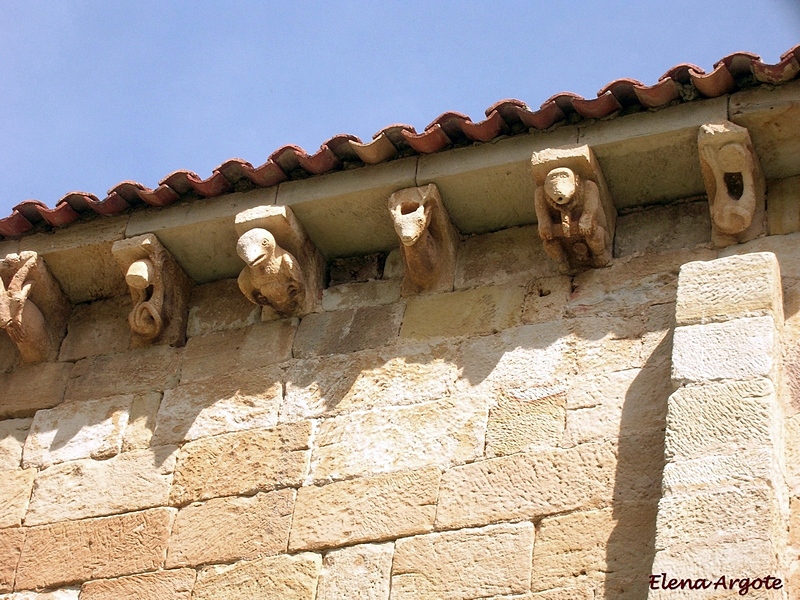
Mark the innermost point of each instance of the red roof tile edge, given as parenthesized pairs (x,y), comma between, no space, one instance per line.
(681,83)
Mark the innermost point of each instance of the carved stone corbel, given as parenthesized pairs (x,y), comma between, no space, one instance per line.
(576,215)
(33,309)
(159,290)
(428,240)
(734,183)
(284,271)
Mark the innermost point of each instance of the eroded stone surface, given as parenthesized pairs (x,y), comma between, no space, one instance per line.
(12,437)
(545,299)
(219,306)
(164,585)
(361,572)
(141,421)
(659,229)
(229,529)
(28,389)
(344,331)
(355,295)
(14,494)
(523,421)
(365,509)
(62,594)
(11,541)
(100,327)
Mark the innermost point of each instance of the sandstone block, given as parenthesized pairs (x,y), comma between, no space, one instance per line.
(357,295)
(604,344)
(14,495)
(31,388)
(721,418)
(783,196)
(222,352)
(659,229)
(464,564)
(141,421)
(284,577)
(707,473)
(577,549)
(229,402)
(368,379)
(163,585)
(11,542)
(782,246)
(219,306)
(62,594)
(344,331)
(94,548)
(241,462)
(443,433)
(90,488)
(361,572)
(97,328)
(146,369)
(740,349)
(729,288)
(12,437)
(365,509)
(464,313)
(572,593)
(77,430)
(229,529)
(520,423)
(512,255)
(545,299)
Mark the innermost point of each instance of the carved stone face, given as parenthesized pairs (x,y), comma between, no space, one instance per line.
(410,221)
(733,158)
(255,246)
(560,185)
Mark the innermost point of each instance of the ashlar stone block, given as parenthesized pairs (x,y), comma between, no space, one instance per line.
(521,423)
(219,306)
(14,495)
(12,437)
(28,389)
(362,572)
(100,327)
(173,585)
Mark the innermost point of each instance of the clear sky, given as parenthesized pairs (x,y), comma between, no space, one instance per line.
(96,92)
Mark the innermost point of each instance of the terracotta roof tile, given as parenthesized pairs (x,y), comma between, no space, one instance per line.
(683,82)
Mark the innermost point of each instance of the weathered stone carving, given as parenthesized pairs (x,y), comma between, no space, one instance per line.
(284,271)
(734,183)
(33,309)
(428,240)
(159,290)
(574,209)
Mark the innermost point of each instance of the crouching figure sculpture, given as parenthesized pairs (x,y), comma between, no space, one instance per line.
(573,207)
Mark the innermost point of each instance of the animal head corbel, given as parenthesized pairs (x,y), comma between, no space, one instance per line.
(159,290)
(428,240)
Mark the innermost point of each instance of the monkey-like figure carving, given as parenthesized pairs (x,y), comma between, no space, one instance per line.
(272,276)
(428,240)
(575,215)
(734,183)
(36,330)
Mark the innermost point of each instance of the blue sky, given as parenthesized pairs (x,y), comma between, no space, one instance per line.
(93,93)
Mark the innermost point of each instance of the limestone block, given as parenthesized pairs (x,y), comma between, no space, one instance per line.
(604,344)
(342,383)
(94,548)
(365,509)
(361,572)
(222,352)
(77,430)
(11,542)
(90,488)
(464,564)
(229,402)
(141,421)
(783,206)
(241,462)
(346,331)
(284,577)
(520,423)
(100,327)
(356,295)
(658,229)
(729,288)
(229,529)
(14,494)
(587,546)
(464,313)
(163,585)
(219,306)
(512,256)
(28,389)
(740,349)
(12,437)
(443,433)
(721,418)
(545,299)
(782,246)
(62,594)
(528,486)
(718,472)
(142,370)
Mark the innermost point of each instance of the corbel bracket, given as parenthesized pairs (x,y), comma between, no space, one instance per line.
(734,183)
(285,271)
(428,239)
(159,290)
(33,309)
(574,209)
